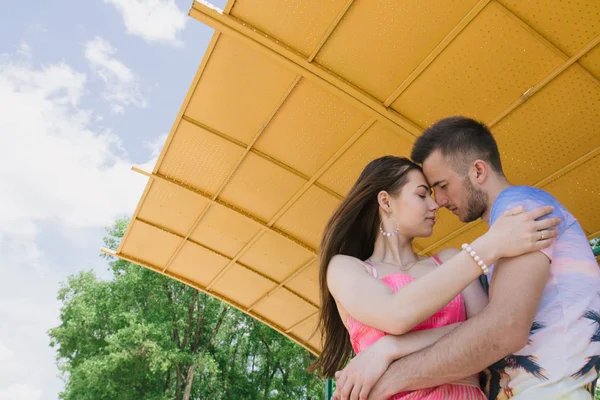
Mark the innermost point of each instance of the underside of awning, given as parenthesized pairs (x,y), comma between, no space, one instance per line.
(293,98)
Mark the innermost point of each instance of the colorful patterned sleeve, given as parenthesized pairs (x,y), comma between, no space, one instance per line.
(529,198)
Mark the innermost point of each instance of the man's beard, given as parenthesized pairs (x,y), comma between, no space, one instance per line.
(477,201)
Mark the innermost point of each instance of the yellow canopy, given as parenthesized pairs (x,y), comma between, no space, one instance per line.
(293,98)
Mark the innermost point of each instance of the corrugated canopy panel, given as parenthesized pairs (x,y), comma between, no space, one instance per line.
(293,98)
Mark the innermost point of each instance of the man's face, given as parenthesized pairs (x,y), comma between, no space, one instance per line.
(453,191)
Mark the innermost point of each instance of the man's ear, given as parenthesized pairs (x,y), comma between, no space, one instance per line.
(479,171)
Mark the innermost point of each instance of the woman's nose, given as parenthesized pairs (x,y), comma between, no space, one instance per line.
(434,206)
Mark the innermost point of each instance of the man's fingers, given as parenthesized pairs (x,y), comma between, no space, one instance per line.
(355,391)
(346,390)
(339,385)
(547,223)
(338,374)
(336,393)
(364,391)
(540,212)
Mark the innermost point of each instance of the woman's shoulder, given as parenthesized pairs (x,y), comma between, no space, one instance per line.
(344,260)
(341,265)
(343,269)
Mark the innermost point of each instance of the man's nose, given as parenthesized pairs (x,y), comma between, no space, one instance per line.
(441,201)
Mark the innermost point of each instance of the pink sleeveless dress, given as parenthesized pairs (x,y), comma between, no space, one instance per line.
(362,336)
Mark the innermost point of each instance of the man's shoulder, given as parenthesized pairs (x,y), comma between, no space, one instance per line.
(531,197)
(527,196)
(523,193)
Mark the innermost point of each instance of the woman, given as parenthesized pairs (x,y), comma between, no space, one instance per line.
(373,284)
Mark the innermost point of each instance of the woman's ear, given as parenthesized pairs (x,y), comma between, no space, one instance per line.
(383,198)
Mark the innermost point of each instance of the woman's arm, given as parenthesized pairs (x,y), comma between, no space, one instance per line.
(393,347)
(372,302)
(474,296)
(368,366)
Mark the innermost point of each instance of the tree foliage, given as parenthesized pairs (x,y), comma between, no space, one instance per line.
(141,335)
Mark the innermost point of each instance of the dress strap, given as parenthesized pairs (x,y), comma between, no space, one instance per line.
(370,268)
(437,260)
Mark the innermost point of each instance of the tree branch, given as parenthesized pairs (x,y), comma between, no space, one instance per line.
(189,320)
(175,333)
(190,373)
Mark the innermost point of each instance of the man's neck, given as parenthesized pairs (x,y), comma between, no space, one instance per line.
(494,189)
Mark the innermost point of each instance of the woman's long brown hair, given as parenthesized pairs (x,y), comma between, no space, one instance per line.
(352,230)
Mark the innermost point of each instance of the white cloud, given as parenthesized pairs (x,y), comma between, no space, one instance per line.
(117,109)
(20,392)
(55,166)
(153,20)
(56,171)
(100,53)
(24,50)
(122,87)
(28,308)
(156,145)
(51,81)
(7,357)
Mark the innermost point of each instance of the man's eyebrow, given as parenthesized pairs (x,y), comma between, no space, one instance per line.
(436,183)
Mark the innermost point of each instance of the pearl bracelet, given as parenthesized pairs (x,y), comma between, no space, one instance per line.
(479,261)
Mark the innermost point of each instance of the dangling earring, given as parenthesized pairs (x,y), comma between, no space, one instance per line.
(388,234)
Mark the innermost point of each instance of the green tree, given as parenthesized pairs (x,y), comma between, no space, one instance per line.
(141,335)
(595,243)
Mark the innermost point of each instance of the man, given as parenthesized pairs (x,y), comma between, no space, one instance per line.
(539,336)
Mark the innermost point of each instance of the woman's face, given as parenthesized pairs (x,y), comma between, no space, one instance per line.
(413,208)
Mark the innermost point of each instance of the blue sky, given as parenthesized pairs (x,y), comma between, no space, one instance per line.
(87,89)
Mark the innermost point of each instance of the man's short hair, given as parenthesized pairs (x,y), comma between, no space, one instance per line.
(461,139)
